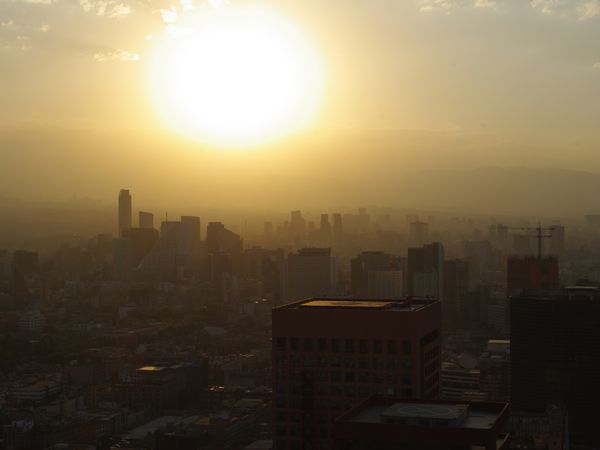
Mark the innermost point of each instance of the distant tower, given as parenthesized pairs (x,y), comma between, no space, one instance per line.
(124,211)
(337,226)
(146,219)
(325,227)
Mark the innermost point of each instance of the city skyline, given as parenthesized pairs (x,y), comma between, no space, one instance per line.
(414,86)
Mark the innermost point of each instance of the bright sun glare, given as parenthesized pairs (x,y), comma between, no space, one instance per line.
(235,76)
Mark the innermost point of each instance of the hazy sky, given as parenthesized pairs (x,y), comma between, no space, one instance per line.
(409,85)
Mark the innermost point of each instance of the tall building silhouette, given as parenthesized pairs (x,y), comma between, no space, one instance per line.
(555,357)
(311,272)
(143,241)
(124,211)
(331,354)
(338,228)
(220,239)
(425,269)
(146,219)
(374,275)
(297,225)
(325,227)
(531,273)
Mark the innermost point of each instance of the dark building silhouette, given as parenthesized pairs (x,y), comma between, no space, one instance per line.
(456,286)
(531,273)
(390,424)
(310,272)
(555,357)
(142,240)
(325,226)
(220,239)
(146,219)
(376,274)
(494,367)
(330,354)
(338,227)
(425,270)
(297,225)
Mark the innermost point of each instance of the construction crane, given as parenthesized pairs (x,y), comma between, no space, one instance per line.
(540,234)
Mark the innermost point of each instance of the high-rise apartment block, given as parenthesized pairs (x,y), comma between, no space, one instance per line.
(146,219)
(425,275)
(310,272)
(555,357)
(532,274)
(331,354)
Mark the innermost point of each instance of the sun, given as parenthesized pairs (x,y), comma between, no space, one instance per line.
(236,77)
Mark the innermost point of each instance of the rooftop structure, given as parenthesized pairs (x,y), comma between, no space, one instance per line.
(387,423)
(330,354)
(409,304)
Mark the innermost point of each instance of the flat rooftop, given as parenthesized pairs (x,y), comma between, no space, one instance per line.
(466,415)
(425,411)
(404,304)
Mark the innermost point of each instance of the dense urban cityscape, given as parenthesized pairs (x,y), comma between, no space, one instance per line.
(299,225)
(343,330)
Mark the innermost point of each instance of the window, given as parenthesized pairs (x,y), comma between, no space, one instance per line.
(406,347)
(336,376)
(349,346)
(363,391)
(393,378)
(308,345)
(406,378)
(322,345)
(335,345)
(280,344)
(363,346)
(295,344)
(349,378)
(363,363)
(392,347)
(377,346)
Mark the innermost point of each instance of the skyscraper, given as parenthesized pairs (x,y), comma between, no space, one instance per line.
(372,275)
(325,227)
(146,219)
(338,229)
(331,354)
(555,357)
(124,211)
(425,269)
(190,235)
(532,273)
(311,272)
(220,239)
(297,225)
(143,241)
